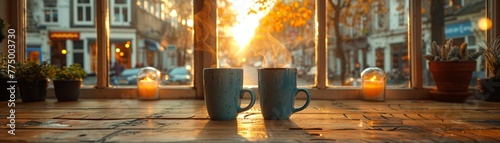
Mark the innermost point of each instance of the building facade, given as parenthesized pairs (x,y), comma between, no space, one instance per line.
(63,32)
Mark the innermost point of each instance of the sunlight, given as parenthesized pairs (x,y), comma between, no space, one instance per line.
(244,30)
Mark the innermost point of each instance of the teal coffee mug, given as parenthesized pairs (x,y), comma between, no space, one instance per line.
(278,89)
(223,90)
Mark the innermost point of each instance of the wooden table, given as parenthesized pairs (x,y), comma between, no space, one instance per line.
(124,120)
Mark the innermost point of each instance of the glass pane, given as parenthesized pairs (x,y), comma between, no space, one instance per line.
(47,16)
(456,20)
(83,1)
(64,46)
(125,14)
(165,44)
(367,34)
(88,13)
(54,16)
(256,35)
(121,1)
(78,58)
(50,3)
(80,13)
(78,45)
(116,15)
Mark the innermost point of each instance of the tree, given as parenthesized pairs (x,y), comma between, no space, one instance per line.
(352,14)
(227,19)
(287,26)
(349,14)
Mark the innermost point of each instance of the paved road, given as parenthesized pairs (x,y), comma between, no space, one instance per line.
(250,77)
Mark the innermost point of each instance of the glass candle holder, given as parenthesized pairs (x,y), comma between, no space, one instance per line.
(148,83)
(373,83)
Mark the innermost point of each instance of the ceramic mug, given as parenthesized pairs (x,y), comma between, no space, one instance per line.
(277,92)
(223,90)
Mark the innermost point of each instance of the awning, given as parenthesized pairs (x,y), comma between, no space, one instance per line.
(153,45)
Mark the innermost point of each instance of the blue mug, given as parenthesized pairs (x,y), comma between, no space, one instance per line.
(277,92)
(223,90)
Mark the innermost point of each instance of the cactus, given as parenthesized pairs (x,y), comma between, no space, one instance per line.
(492,55)
(448,52)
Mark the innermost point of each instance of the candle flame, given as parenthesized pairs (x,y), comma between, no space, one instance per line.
(147,79)
(373,78)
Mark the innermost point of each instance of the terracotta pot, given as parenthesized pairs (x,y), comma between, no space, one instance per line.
(489,89)
(452,76)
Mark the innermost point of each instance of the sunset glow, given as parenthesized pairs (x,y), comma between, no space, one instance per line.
(244,30)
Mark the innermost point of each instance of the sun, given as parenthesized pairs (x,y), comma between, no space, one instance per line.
(244,29)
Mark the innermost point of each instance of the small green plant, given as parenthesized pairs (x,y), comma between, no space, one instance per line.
(32,71)
(448,52)
(3,66)
(492,55)
(73,72)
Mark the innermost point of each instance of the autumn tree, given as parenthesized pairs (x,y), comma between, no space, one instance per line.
(227,19)
(352,14)
(287,26)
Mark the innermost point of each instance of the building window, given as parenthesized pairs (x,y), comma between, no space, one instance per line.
(84,11)
(50,11)
(120,12)
(401,19)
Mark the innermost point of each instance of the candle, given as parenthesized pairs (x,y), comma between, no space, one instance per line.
(373,88)
(148,89)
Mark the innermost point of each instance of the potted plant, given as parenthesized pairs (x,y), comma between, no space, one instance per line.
(4,77)
(3,25)
(490,87)
(33,79)
(451,68)
(68,81)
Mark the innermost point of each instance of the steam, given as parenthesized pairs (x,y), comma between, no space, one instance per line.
(205,31)
(275,54)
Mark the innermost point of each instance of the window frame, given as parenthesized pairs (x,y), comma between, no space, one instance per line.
(84,6)
(50,9)
(319,90)
(122,22)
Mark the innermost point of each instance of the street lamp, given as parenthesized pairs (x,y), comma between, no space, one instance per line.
(484,24)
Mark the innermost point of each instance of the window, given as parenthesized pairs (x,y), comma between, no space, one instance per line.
(65,43)
(120,12)
(460,24)
(84,12)
(350,53)
(50,11)
(151,44)
(290,44)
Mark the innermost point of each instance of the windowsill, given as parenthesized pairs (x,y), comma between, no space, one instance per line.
(188,92)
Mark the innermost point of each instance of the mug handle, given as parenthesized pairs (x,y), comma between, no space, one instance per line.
(252,99)
(307,101)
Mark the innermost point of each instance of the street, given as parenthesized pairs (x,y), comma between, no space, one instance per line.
(250,76)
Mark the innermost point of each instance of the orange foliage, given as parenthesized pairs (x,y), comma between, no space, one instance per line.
(294,14)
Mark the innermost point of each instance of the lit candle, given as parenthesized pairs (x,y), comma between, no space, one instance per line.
(373,88)
(148,89)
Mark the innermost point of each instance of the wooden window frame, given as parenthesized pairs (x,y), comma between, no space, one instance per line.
(320,90)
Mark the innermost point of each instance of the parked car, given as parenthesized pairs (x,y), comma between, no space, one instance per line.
(127,77)
(301,71)
(178,75)
(257,64)
(312,73)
